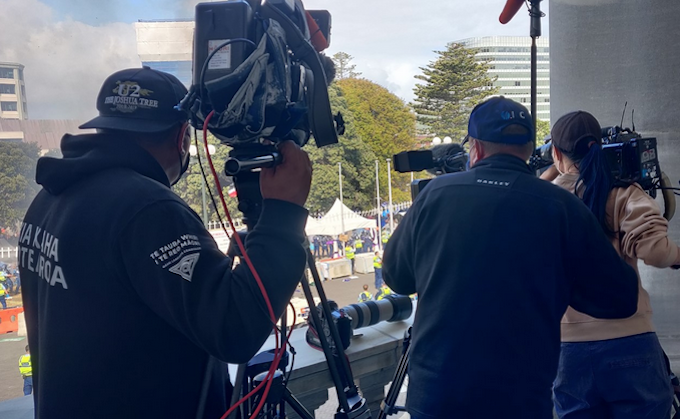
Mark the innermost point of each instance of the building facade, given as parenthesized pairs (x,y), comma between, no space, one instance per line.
(509,60)
(12,91)
(167,45)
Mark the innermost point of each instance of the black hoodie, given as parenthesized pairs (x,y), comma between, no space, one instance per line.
(126,293)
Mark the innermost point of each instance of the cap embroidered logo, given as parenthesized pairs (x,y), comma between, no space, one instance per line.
(185,267)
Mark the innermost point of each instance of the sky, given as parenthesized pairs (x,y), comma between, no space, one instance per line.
(70,46)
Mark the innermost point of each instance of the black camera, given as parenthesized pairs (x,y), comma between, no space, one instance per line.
(441,159)
(258,74)
(631,158)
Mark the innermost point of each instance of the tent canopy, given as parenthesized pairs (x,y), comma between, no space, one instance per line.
(339,219)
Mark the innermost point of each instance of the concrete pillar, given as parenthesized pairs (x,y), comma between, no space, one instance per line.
(604,53)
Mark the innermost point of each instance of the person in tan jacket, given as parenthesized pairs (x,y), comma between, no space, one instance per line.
(611,368)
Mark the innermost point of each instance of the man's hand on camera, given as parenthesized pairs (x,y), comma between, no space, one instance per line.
(289,181)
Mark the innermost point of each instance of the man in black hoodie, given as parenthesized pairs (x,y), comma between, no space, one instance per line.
(496,255)
(131,309)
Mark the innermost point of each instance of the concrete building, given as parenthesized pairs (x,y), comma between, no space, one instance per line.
(45,133)
(167,45)
(12,91)
(509,59)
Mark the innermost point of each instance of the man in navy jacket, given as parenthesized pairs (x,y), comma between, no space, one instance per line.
(496,255)
(131,308)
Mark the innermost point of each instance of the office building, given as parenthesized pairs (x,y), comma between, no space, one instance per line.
(167,45)
(509,60)
(12,91)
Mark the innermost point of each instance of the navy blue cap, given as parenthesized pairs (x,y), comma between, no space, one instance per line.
(489,120)
(139,100)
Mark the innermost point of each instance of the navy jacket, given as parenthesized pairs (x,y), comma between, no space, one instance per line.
(496,256)
(127,295)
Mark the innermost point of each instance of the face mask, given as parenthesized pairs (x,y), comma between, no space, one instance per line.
(183,170)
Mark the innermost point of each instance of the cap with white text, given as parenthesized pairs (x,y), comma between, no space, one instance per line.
(501,120)
(139,100)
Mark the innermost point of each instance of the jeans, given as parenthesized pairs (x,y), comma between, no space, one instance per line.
(28,385)
(3,301)
(616,378)
(378,278)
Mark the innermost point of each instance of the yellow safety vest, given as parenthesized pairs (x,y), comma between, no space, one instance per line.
(359,245)
(365,296)
(377,262)
(384,292)
(2,290)
(25,365)
(349,252)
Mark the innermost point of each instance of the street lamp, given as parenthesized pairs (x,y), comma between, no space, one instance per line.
(193,152)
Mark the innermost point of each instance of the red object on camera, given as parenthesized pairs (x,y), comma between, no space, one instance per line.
(510,10)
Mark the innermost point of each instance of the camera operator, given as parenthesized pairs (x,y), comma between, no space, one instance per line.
(612,368)
(486,332)
(127,295)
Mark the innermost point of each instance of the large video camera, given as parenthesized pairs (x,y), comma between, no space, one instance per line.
(258,75)
(441,159)
(631,158)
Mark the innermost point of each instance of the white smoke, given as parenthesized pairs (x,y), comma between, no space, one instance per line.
(65,61)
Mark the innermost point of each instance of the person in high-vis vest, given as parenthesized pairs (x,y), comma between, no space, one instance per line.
(349,254)
(26,370)
(3,296)
(383,292)
(365,295)
(359,245)
(377,268)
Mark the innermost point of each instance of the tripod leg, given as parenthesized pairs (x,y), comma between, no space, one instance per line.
(296,405)
(387,407)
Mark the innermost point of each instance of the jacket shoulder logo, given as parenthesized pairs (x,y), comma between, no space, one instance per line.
(185,267)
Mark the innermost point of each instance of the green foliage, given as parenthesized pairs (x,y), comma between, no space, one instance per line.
(189,188)
(542,130)
(17,181)
(452,85)
(357,159)
(386,124)
(344,67)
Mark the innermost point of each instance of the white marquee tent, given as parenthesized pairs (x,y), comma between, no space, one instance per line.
(339,219)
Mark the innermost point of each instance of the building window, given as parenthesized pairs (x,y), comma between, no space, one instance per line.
(8,106)
(10,140)
(21,74)
(8,89)
(518,83)
(6,73)
(524,100)
(23,91)
(546,100)
(23,105)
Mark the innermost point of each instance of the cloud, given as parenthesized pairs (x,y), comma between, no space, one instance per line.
(65,61)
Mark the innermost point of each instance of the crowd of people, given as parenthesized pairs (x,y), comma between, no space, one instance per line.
(10,283)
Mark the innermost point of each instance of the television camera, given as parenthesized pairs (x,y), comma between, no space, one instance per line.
(441,159)
(631,158)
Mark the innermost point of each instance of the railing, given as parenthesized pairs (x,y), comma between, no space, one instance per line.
(9,252)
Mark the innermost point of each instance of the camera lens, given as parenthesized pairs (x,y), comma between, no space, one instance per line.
(392,308)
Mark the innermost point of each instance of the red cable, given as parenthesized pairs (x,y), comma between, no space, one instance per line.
(278,351)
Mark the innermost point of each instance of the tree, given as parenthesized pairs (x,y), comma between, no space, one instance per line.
(17,181)
(383,122)
(542,130)
(356,158)
(452,85)
(343,67)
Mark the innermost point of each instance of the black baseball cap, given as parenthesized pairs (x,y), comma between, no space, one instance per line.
(139,100)
(490,119)
(575,131)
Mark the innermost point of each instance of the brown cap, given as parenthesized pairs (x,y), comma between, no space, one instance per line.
(574,132)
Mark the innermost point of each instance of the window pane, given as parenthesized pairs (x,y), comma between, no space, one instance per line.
(6,73)
(8,106)
(7,89)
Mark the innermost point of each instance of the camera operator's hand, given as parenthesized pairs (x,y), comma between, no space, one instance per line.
(289,181)
(550,173)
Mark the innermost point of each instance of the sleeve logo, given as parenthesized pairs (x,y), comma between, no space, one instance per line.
(185,267)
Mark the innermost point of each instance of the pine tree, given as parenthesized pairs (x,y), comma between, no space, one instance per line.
(452,85)
(343,67)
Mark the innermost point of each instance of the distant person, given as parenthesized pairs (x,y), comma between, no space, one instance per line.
(383,292)
(26,371)
(359,245)
(377,268)
(349,254)
(3,295)
(486,335)
(365,295)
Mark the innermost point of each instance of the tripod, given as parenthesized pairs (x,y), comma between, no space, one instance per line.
(352,405)
(388,406)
